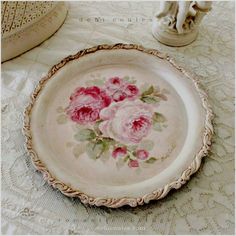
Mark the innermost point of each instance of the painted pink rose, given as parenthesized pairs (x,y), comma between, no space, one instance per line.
(120,90)
(119,96)
(119,152)
(142,154)
(86,104)
(133,163)
(113,84)
(127,122)
(131,91)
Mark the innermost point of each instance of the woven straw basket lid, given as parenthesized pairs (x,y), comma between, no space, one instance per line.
(26,24)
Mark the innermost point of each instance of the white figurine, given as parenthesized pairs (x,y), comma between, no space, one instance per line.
(177,22)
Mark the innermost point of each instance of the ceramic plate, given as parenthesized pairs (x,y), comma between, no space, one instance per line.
(116,125)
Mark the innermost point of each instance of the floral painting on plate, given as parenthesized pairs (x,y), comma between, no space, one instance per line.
(114,119)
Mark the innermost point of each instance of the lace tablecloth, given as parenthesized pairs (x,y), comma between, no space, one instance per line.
(204,206)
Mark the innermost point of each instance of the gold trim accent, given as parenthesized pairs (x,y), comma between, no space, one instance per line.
(118,202)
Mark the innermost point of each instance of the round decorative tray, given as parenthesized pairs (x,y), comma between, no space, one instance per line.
(118,125)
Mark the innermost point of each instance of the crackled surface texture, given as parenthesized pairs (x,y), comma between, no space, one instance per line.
(204,206)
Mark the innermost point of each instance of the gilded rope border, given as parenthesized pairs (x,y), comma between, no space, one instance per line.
(118,202)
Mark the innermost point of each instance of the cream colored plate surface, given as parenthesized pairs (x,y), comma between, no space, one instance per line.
(118,125)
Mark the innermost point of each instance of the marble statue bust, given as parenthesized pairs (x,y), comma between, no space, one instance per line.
(177,22)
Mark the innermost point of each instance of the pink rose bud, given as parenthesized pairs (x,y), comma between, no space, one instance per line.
(131,91)
(120,90)
(142,154)
(133,163)
(119,96)
(114,84)
(119,152)
(115,80)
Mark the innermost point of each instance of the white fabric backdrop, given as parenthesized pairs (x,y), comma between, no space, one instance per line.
(204,206)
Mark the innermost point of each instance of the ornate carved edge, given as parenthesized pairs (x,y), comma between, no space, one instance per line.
(118,202)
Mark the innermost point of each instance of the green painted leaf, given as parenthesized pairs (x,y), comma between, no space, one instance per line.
(106,145)
(96,127)
(62,119)
(90,150)
(161,96)
(149,99)
(130,80)
(132,148)
(151,160)
(78,150)
(126,158)
(149,91)
(144,165)
(147,145)
(98,122)
(93,82)
(105,156)
(78,127)
(85,134)
(157,127)
(158,118)
(120,163)
(132,157)
(144,87)
(60,109)
(95,149)
(108,141)
(126,78)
